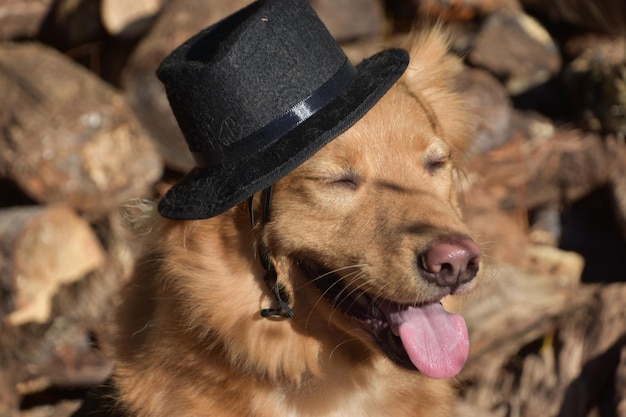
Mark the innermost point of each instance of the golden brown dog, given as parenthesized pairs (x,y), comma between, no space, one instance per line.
(366,237)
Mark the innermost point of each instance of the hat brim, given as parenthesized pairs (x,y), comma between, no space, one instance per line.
(208,192)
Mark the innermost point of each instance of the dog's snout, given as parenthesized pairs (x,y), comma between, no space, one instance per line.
(450,262)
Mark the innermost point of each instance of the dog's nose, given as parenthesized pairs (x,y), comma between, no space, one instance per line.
(450,261)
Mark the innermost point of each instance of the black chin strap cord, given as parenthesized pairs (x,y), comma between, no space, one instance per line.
(271,278)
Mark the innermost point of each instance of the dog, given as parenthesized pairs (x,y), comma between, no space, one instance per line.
(329,302)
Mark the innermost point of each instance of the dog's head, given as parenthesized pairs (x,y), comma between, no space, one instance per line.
(366,238)
(367,235)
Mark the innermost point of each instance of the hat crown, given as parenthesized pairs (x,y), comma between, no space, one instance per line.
(238,75)
(256,95)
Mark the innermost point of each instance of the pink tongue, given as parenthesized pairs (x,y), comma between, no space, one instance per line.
(435,340)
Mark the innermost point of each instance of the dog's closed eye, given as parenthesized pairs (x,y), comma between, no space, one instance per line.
(436,159)
(347,178)
(437,164)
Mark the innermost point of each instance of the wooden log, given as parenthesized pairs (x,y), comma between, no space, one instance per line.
(487,97)
(566,168)
(620,384)
(350,20)
(42,249)
(605,16)
(67,136)
(464,10)
(544,345)
(516,307)
(128,19)
(517,49)
(548,169)
(21,18)
(72,24)
(617,151)
(596,82)
(179,20)
(60,353)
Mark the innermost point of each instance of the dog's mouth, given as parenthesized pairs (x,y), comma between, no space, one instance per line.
(415,336)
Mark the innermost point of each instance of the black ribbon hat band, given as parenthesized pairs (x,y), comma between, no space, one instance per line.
(281,125)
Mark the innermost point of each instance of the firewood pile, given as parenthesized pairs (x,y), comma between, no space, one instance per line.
(85,127)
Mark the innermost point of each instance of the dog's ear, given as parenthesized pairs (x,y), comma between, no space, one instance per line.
(434,75)
(431,65)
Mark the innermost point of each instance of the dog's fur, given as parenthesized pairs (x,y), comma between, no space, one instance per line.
(189,339)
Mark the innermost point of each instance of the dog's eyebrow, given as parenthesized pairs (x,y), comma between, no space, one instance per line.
(428,110)
(436,151)
(392,186)
(397,188)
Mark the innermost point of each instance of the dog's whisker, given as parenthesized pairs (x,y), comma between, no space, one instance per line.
(319,299)
(339,298)
(338,345)
(377,296)
(330,287)
(148,324)
(334,271)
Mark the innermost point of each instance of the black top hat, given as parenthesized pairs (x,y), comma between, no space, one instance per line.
(257,94)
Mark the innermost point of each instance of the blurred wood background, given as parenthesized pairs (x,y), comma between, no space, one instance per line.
(85,127)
